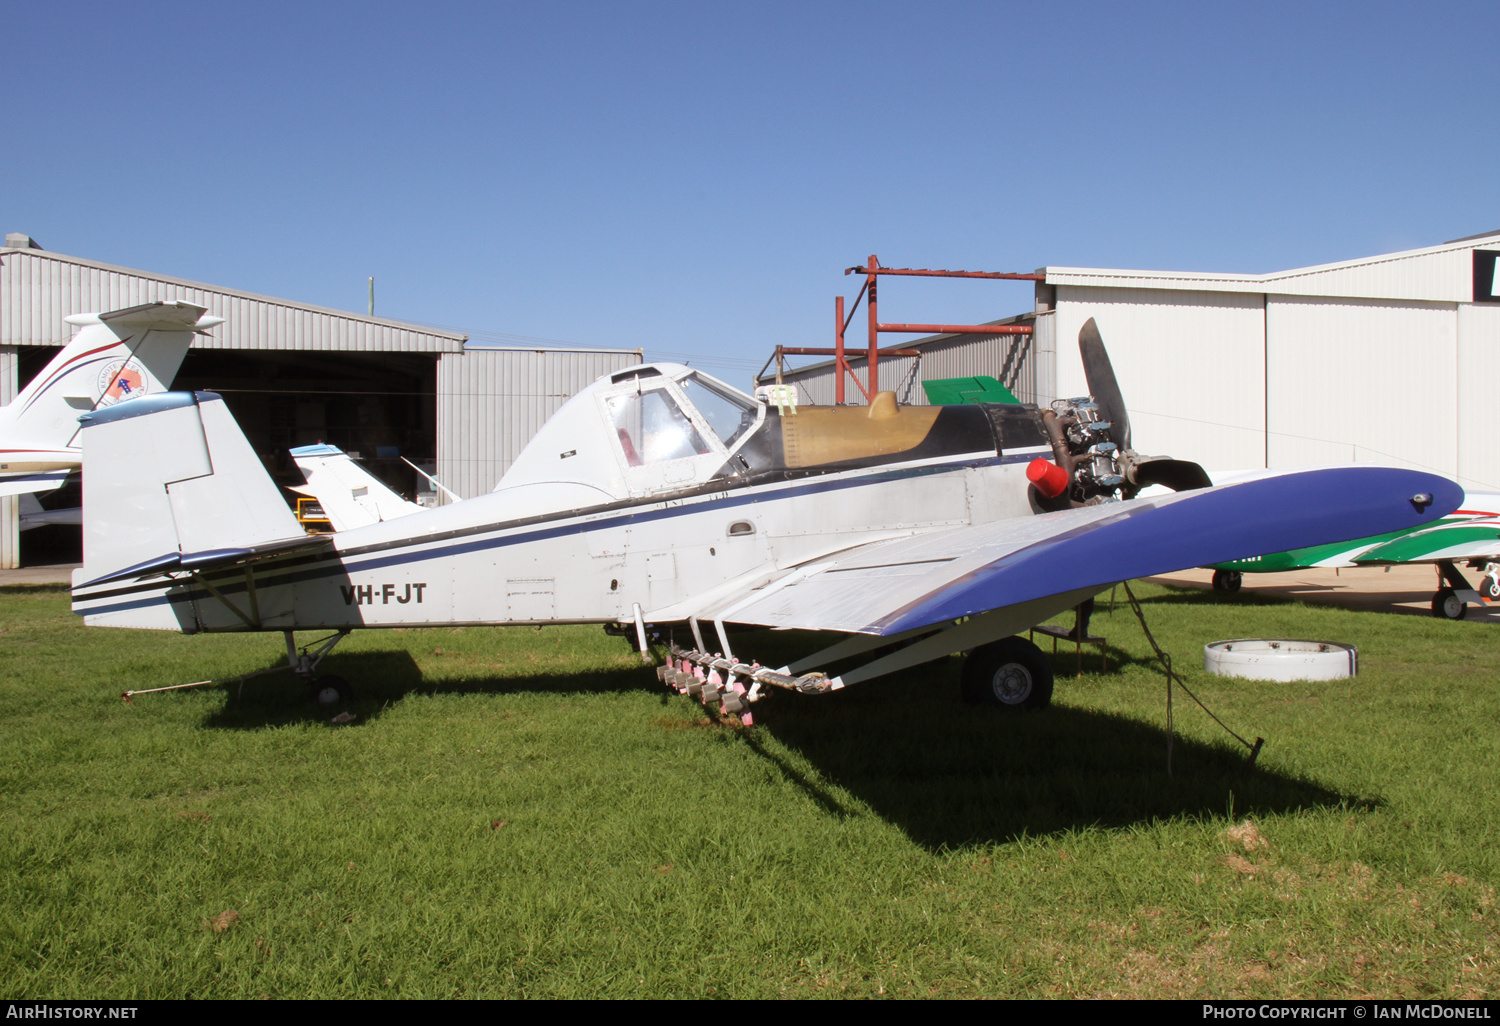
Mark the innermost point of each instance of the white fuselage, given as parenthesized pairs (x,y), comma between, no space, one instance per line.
(668,559)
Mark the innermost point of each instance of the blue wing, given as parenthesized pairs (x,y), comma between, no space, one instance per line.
(888,587)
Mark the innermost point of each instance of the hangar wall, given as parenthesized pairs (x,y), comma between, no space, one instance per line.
(39,288)
(1478,375)
(1390,359)
(10,527)
(1190,366)
(1362,381)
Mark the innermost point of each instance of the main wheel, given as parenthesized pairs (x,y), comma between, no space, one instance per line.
(1011,673)
(1447,605)
(331,690)
(1491,589)
(1228,580)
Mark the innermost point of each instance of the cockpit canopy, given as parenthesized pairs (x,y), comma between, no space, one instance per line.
(646,429)
(661,428)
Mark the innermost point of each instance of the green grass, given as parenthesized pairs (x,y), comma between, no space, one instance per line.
(521,813)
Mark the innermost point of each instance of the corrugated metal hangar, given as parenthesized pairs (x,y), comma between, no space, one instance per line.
(294,374)
(1391,359)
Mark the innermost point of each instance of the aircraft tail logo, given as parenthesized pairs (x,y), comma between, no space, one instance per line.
(122,379)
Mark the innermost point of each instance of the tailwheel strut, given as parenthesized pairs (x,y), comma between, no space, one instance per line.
(303,663)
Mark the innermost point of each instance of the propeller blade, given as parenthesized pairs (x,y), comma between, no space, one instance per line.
(1100,375)
(1178,475)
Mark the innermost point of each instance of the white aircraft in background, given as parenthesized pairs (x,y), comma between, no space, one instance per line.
(659,496)
(350,496)
(116,356)
(1469,535)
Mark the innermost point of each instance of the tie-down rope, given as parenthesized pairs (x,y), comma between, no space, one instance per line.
(1166,662)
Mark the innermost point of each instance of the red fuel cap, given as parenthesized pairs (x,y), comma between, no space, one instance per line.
(1050,479)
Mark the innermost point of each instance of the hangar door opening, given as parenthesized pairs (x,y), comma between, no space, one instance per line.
(380,406)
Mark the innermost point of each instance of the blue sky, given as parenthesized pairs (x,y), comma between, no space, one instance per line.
(691,178)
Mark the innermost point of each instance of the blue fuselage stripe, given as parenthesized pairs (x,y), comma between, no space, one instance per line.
(398,553)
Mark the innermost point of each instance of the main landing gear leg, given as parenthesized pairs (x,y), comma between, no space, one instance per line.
(1490,587)
(1452,598)
(1228,580)
(329,689)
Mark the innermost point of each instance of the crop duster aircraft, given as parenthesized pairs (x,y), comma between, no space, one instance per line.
(116,356)
(659,496)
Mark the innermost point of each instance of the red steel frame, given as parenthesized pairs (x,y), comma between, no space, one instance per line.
(871,270)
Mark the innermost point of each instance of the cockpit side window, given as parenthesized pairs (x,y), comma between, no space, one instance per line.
(652,428)
(729,418)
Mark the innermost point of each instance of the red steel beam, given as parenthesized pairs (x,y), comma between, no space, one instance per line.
(838,353)
(803,351)
(871,270)
(958,329)
(925,273)
(873,356)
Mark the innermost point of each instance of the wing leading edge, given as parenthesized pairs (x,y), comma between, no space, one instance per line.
(885,588)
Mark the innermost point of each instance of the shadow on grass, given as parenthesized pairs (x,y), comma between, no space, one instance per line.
(950,774)
(379,679)
(905,746)
(1177,596)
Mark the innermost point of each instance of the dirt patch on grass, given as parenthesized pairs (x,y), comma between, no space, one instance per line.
(1240,864)
(1247,836)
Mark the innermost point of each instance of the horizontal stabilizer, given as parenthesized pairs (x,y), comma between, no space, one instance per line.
(213,559)
(27,483)
(34,516)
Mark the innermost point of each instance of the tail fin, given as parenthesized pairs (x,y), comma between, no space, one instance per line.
(350,495)
(115,356)
(172,474)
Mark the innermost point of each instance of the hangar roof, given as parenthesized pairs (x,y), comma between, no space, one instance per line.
(39,288)
(1441,274)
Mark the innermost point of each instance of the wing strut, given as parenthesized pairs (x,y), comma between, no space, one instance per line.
(253,620)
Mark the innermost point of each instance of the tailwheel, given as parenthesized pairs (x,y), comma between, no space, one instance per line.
(331,689)
(1447,605)
(1010,673)
(1228,580)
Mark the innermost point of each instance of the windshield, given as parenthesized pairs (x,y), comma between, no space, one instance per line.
(729,417)
(652,429)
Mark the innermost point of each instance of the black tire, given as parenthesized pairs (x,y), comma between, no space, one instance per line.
(1445,604)
(1228,580)
(1008,674)
(1491,589)
(331,690)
